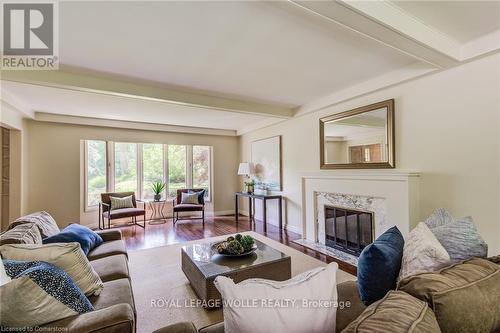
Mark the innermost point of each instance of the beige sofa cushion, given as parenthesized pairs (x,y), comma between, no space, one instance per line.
(111,268)
(397,312)
(114,292)
(67,256)
(107,249)
(26,233)
(465,296)
(43,220)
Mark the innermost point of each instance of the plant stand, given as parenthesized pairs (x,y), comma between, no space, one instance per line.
(157,207)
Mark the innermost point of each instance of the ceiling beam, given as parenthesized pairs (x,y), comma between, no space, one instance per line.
(384,22)
(89,121)
(100,84)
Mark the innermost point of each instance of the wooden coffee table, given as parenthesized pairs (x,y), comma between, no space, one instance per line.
(202,265)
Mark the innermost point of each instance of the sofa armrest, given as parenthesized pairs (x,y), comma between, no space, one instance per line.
(118,318)
(110,235)
(347,312)
(181,327)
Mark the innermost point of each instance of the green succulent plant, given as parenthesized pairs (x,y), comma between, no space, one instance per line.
(247,242)
(234,247)
(158,187)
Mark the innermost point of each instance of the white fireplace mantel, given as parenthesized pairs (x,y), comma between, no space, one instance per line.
(396,191)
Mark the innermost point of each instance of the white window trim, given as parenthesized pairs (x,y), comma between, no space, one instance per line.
(86,206)
(110,170)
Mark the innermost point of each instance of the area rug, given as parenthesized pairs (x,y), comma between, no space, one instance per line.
(162,292)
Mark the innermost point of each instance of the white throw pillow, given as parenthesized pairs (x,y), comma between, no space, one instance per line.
(67,256)
(305,303)
(189,198)
(4,278)
(422,253)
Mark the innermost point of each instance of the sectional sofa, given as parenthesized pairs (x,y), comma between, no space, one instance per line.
(114,307)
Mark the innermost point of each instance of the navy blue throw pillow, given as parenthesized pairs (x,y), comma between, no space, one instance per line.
(87,238)
(379,265)
(51,279)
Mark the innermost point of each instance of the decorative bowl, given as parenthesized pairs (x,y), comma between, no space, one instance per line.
(214,251)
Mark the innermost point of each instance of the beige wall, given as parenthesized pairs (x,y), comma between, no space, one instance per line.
(447,128)
(55,157)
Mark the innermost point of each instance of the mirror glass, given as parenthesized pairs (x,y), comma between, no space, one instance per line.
(358,139)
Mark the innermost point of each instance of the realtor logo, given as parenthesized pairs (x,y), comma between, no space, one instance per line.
(29,36)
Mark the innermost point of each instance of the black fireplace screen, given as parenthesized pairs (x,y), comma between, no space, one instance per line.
(348,230)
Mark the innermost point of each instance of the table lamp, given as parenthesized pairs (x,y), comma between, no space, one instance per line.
(246,169)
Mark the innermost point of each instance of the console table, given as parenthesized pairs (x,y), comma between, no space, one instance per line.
(251,198)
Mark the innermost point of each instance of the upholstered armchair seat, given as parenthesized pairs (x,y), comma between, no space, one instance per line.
(124,212)
(187,208)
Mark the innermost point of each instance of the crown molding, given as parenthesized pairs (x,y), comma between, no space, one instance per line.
(382,22)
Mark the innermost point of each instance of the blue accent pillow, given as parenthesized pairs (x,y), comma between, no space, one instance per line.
(51,279)
(379,265)
(87,238)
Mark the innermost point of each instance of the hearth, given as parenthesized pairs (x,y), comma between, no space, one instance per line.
(348,230)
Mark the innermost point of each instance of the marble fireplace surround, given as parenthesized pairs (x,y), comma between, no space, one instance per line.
(391,195)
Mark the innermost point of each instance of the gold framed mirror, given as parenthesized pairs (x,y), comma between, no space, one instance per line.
(362,138)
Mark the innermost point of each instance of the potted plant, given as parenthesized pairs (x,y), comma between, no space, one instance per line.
(250,185)
(157,188)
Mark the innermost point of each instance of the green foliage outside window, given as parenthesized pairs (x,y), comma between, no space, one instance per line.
(96,171)
(176,169)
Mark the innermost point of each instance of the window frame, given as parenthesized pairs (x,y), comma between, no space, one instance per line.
(138,167)
(210,175)
(110,168)
(87,207)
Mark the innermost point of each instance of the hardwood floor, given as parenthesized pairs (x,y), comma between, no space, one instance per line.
(155,235)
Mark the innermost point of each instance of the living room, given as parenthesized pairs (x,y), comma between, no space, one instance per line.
(199,147)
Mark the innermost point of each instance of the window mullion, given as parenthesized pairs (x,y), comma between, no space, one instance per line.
(110,162)
(140,173)
(165,170)
(189,166)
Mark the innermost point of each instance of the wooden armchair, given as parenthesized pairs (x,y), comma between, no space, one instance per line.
(105,211)
(180,207)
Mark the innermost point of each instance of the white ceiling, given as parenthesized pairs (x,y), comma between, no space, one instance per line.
(100,106)
(460,20)
(270,52)
(276,53)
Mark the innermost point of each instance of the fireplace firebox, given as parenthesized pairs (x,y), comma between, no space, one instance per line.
(348,230)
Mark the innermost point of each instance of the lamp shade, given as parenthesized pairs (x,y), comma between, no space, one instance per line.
(245,169)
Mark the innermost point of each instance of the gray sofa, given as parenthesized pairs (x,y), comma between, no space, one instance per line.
(114,307)
(461,298)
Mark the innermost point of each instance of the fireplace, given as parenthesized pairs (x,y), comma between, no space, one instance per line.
(348,230)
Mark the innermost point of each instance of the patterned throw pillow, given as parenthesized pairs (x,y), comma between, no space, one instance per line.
(119,203)
(45,223)
(67,256)
(39,293)
(189,198)
(422,253)
(438,218)
(460,238)
(26,233)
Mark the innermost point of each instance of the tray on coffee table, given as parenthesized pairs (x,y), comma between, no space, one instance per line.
(202,265)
